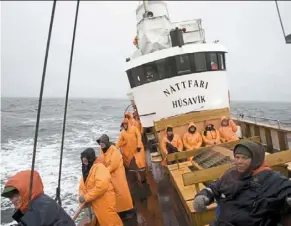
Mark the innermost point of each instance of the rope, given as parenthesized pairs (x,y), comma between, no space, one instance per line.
(58,189)
(40,103)
(280,19)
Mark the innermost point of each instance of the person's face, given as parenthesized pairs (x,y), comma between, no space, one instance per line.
(192,129)
(242,162)
(16,200)
(127,116)
(102,145)
(125,126)
(85,161)
(224,122)
(170,133)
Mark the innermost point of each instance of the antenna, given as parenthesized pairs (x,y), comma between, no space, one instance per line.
(287,37)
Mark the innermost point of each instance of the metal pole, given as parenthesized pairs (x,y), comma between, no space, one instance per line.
(280,19)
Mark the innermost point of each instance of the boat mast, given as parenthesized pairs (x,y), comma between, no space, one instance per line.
(288,37)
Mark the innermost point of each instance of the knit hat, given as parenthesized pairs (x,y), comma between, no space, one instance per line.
(243,151)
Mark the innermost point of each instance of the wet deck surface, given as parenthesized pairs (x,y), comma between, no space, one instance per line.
(157,202)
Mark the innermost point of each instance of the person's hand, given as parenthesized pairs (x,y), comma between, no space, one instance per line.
(81,199)
(288,200)
(138,149)
(200,203)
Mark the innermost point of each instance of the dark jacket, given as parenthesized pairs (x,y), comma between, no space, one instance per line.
(44,212)
(253,199)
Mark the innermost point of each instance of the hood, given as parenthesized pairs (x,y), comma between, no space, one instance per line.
(192,124)
(89,153)
(125,121)
(128,114)
(21,182)
(169,128)
(258,156)
(104,139)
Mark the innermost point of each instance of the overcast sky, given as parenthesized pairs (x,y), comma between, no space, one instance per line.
(259,61)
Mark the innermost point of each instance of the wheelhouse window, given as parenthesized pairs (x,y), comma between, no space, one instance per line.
(176,66)
(221,61)
(200,62)
(183,64)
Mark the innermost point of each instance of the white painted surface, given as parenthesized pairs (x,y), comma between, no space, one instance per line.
(156,97)
(173,51)
(275,139)
(238,132)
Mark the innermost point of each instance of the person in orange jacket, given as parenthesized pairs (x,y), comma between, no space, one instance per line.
(192,138)
(138,122)
(112,159)
(131,120)
(227,130)
(210,135)
(44,210)
(171,142)
(96,188)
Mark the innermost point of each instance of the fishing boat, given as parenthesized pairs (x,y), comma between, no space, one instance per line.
(176,78)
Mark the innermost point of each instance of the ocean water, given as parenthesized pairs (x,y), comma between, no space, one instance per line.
(87,119)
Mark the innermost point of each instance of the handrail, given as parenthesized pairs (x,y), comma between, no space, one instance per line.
(280,123)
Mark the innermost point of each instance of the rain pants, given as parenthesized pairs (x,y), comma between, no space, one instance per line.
(44,210)
(227,133)
(99,192)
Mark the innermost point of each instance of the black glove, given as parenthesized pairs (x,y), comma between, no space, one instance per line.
(138,149)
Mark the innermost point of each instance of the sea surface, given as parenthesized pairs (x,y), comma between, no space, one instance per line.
(87,119)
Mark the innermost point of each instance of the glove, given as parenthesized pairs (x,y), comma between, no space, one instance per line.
(200,203)
(138,149)
(81,199)
(288,200)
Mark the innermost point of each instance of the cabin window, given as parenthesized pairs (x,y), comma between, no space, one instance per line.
(183,64)
(130,78)
(200,62)
(213,61)
(150,73)
(221,61)
(138,76)
(164,68)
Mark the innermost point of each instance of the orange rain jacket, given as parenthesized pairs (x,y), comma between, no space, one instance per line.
(211,137)
(176,142)
(129,140)
(192,141)
(114,163)
(99,191)
(227,133)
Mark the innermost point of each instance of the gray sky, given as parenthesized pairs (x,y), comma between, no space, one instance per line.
(259,61)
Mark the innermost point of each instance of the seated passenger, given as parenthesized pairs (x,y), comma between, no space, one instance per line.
(192,138)
(171,142)
(227,130)
(96,188)
(112,159)
(44,210)
(210,135)
(250,193)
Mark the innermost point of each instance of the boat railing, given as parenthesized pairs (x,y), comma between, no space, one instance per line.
(280,124)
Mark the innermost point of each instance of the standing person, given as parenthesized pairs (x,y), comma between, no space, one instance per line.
(112,159)
(96,188)
(44,210)
(131,120)
(250,193)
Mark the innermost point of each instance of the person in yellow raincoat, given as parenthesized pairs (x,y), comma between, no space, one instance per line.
(131,120)
(133,154)
(192,138)
(96,188)
(171,142)
(210,135)
(138,122)
(227,130)
(112,159)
